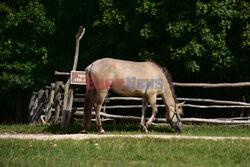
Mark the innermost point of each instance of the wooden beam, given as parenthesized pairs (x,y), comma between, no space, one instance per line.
(78,38)
(62,73)
(181,99)
(185,105)
(213,101)
(207,85)
(163,120)
(215,106)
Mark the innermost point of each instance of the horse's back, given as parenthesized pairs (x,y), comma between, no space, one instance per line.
(128,68)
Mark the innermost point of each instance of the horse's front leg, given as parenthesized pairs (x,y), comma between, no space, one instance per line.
(144,110)
(152,101)
(98,105)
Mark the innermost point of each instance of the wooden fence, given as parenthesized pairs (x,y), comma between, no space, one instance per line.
(47,105)
(56,103)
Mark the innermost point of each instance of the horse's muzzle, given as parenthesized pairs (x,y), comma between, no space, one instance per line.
(178,127)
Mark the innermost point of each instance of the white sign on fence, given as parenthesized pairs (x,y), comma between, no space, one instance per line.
(78,78)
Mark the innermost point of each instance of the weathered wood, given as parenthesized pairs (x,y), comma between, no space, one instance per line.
(213,101)
(39,104)
(214,121)
(163,120)
(125,98)
(207,85)
(57,100)
(62,73)
(181,99)
(78,38)
(215,106)
(235,118)
(68,93)
(50,103)
(185,105)
(69,108)
(79,100)
(65,105)
(78,78)
(32,106)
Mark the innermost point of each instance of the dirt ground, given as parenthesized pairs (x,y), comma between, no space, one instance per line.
(96,136)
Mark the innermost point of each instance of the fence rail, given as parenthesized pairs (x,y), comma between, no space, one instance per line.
(50,101)
(209,85)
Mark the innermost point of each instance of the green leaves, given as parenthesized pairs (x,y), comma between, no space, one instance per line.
(202,37)
(147,7)
(23,51)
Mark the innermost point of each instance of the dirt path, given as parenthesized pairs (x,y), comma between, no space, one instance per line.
(95,136)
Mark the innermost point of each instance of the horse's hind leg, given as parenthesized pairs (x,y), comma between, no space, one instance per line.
(152,101)
(101,94)
(144,110)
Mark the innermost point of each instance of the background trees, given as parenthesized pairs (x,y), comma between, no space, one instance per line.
(199,41)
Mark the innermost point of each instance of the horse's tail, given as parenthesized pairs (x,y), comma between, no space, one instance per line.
(89,99)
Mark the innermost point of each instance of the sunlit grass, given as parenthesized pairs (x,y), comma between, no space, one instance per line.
(126,128)
(125,152)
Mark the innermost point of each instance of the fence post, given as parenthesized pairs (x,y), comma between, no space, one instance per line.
(50,103)
(57,100)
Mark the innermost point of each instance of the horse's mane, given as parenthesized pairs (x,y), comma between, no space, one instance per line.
(168,76)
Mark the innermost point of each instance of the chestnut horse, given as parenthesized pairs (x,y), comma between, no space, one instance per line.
(127,78)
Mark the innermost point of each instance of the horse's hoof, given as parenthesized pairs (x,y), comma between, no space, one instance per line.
(144,129)
(84,132)
(147,125)
(102,132)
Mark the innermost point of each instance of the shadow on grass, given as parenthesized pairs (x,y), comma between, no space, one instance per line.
(110,128)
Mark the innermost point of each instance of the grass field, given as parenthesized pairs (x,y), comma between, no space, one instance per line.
(202,130)
(125,152)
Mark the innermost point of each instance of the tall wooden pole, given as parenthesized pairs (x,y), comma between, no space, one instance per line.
(78,38)
(68,94)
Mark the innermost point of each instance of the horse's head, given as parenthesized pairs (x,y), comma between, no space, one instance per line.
(175,121)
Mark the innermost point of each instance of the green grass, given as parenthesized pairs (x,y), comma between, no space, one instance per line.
(125,152)
(201,130)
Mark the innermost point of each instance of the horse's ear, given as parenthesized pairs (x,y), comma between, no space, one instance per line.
(180,110)
(180,104)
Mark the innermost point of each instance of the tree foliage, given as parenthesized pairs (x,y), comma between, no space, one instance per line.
(209,39)
(23,33)
(198,40)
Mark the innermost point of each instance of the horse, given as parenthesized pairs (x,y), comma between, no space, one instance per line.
(127,78)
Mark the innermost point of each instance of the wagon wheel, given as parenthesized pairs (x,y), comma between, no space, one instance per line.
(36,106)
(33,106)
(58,100)
(49,103)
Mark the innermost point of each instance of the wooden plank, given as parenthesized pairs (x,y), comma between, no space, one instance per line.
(50,103)
(213,101)
(78,78)
(62,73)
(215,106)
(65,105)
(185,105)
(57,100)
(80,113)
(181,99)
(208,85)
(163,120)
(214,121)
